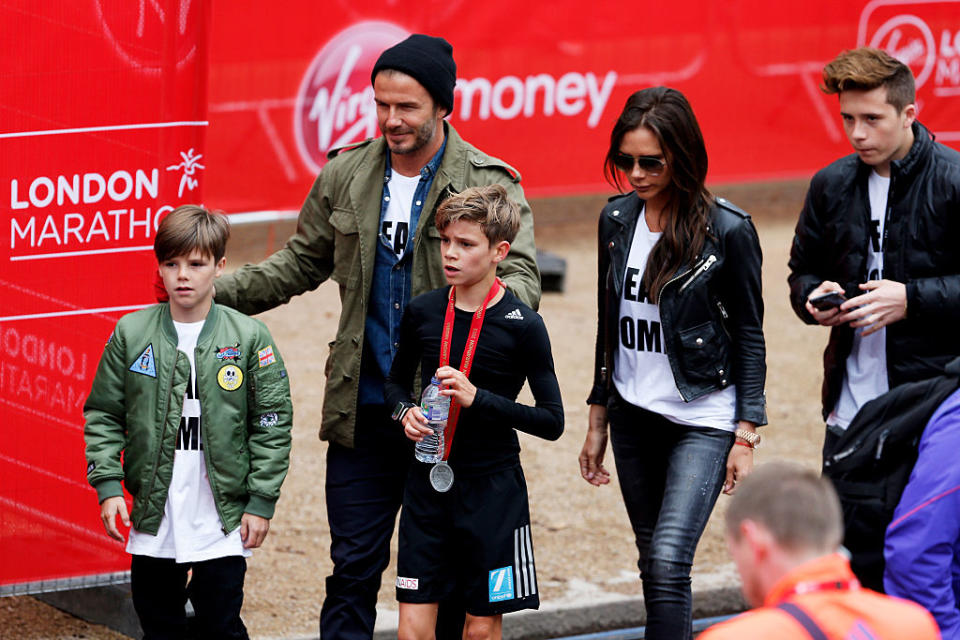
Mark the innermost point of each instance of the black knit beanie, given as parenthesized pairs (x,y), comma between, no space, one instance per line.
(428,60)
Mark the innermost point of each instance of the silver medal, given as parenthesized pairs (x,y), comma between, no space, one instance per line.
(441,477)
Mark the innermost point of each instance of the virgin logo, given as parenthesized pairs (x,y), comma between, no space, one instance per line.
(335,103)
(910,40)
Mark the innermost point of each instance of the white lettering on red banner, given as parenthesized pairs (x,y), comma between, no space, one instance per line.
(509,97)
(72,226)
(335,104)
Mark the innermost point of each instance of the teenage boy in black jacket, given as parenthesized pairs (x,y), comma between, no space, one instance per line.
(881,228)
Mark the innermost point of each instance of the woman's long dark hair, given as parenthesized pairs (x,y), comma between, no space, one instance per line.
(667,114)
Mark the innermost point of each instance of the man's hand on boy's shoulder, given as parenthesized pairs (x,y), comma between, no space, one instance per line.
(109,510)
(253,530)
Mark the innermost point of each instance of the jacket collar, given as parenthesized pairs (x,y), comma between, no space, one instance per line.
(832,567)
(922,143)
(453,169)
(624,210)
(907,165)
(209,323)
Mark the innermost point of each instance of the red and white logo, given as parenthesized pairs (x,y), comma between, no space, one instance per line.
(909,39)
(922,34)
(408,583)
(335,103)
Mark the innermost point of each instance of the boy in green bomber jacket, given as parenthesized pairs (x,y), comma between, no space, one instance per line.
(196,399)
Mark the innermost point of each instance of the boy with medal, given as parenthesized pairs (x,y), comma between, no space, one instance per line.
(465,523)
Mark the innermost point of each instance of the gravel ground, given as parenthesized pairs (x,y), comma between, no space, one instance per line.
(584,544)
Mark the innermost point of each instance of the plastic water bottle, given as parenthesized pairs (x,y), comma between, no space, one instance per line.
(436,408)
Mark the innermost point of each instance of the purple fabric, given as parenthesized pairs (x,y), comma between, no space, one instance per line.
(922,548)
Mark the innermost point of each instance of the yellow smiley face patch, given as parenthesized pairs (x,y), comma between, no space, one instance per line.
(230,377)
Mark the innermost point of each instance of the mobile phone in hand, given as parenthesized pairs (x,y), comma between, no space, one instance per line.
(828,301)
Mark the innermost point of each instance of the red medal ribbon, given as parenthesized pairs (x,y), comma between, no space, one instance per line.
(469,350)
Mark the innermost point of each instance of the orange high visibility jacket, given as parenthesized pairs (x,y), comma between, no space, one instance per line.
(840,613)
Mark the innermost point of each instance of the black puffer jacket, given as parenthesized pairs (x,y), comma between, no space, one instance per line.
(711,313)
(922,250)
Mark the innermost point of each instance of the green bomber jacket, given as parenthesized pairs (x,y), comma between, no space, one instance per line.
(336,238)
(136,400)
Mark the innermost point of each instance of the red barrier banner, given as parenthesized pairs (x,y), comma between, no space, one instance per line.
(102,132)
(540,84)
(104,129)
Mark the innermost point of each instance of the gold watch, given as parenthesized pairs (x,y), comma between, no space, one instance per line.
(753,439)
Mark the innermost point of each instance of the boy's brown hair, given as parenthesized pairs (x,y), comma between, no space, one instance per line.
(190,227)
(488,206)
(867,68)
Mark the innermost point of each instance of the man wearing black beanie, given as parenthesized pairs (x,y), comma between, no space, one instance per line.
(426,59)
(368,224)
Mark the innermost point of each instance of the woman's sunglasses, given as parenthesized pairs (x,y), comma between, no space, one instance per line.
(648,164)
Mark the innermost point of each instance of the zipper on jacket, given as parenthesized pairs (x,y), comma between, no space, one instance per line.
(164,404)
(211,468)
(723,311)
(699,271)
(679,276)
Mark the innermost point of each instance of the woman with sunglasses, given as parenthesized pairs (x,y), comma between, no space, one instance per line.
(680,357)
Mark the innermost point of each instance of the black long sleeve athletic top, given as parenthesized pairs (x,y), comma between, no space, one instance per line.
(513,347)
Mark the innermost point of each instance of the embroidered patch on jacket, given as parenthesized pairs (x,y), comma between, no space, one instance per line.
(230,377)
(268,420)
(408,583)
(229,353)
(266,355)
(145,363)
(514,315)
(91,467)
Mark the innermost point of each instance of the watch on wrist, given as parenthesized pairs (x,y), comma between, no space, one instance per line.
(401,410)
(751,438)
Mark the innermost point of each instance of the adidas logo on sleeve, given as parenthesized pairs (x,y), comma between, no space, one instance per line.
(514,315)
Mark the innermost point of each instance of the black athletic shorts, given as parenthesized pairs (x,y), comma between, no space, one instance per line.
(474,538)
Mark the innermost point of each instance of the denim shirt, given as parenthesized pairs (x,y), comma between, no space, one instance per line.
(390,291)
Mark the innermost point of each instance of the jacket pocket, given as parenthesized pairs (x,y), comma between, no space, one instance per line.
(346,248)
(271,389)
(703,353)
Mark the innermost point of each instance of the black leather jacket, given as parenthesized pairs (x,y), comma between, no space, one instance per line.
(711,313)
(922,250)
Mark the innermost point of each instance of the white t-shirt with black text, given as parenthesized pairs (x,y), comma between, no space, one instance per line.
(642,373)
(865,377)
(395,227)
(191,530)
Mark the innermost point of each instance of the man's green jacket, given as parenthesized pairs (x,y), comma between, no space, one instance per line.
(337,238)
(135,404)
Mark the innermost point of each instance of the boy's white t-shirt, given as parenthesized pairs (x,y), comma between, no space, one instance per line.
(395,227)
(191,530)
(865,377)
(642,372)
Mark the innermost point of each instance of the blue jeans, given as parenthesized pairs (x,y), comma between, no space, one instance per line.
(670,476)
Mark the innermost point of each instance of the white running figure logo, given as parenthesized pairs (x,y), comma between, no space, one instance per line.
(189,165)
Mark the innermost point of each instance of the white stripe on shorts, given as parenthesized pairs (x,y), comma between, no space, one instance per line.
(523,566)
